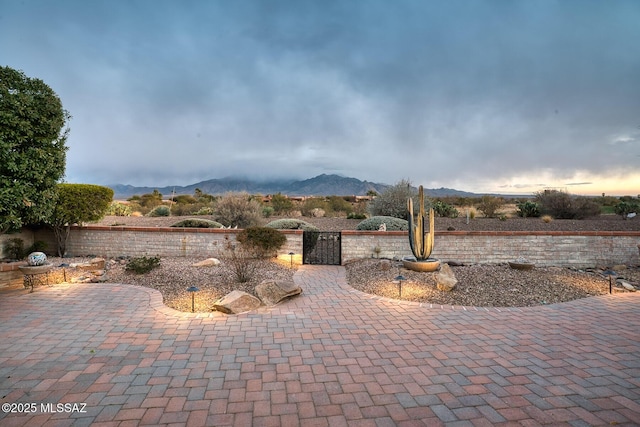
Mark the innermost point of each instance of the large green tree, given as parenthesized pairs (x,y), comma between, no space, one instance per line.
(77,203)
(33,133)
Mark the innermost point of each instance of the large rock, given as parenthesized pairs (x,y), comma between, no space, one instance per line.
(445,278)
(236,302)
(209,262)
(271,292)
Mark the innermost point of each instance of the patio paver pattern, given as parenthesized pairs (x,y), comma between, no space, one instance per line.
(332,356)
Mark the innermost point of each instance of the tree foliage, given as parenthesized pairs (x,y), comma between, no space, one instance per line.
(33,134)
(77,203)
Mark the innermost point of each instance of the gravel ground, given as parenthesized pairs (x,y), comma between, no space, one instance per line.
(484,285)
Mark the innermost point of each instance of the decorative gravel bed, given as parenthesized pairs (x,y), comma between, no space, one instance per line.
(483,285)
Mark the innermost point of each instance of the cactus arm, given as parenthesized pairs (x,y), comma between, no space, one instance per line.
(411,227)
(420,241)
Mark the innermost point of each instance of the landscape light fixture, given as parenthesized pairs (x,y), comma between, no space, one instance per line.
(193,291)
(291,254)
(400,278)
(610,273)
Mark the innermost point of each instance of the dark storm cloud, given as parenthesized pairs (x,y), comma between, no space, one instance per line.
(455,93)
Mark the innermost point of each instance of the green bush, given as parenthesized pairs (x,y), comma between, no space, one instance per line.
(118,209)
(445,210)
(528,209)
(625,208)
(489,205)
(355,215)
(281,204)
(291,224)
(14,248)
(314,203)
(262,241)
(267,211)
(239,210)
(142,265)
(393,201)
(206,210)
(339,204)
(392,223)
(562,205)
(38,246)
(161,210)
(197,223)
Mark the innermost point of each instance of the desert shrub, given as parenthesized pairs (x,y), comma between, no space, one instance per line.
(313,203)
(118,209)
(161,210)
(527,209)
(391,222)
(142,265)
(262,241)
(267,211)
(197,223)
(281,204)
(562,205)
(149,200)
(445,210)
(547,219)
(242,263)
(239,210)
(471,213)
(502,217)
(14,248)
(205,210)
(489,205)
(625,208)
(393,201)
(356,215)
(291,224)
(339,204)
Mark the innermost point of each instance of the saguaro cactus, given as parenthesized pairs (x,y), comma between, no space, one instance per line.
(421,242)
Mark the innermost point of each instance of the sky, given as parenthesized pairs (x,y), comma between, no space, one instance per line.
(484,96)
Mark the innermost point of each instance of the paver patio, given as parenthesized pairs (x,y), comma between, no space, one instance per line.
(330,357)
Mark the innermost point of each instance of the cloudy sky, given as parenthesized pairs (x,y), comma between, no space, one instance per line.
(485,96)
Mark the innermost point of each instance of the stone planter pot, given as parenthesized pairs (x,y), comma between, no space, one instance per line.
(521,265)
(426,266)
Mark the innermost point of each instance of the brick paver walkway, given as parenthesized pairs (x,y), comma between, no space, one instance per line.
(330,357)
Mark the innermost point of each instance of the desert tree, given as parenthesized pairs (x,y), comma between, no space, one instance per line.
(33,134)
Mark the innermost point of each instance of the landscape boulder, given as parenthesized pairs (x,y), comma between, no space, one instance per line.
(236,302)
(445,279)
(271,292)
(209,262)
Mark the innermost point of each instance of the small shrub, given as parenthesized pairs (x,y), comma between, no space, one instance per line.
(547,219)
(239,210)
(262,241)
(242,264)
(206,210)
(142,265)
(625,208)
(391,222)
(197,223)
(527,209)
(502,217)
(393,201)
(355,215)
(445,210)
(118,209)
(292,224)
(281,204)
(14,248)
(472,213)
(161,210)
(489,205)
(267,211)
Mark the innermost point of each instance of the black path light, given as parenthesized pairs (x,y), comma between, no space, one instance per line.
(610,273)
(193,291)
(291,254)
(400,278)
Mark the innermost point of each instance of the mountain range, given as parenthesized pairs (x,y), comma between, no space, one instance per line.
(321,185)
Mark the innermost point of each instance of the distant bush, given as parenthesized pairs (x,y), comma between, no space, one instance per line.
(206,210)
(197,223)
(393,201)
(355,215)
(14,248)
(292,224)
(261,241)
(142,265)
(239,210)
(547,219)
(281,204)
(161,210)
(625,208)
(311,204)
(527,209)
(562,205)
(445,210)
(489,205)
(267,211)
(392,223)
(119,209)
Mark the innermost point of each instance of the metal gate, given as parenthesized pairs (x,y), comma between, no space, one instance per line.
(322,247)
